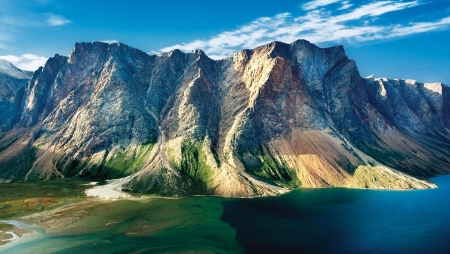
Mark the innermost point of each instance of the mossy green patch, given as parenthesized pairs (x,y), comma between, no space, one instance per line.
(193,164)
(120,165)
(271,171)
(128,162)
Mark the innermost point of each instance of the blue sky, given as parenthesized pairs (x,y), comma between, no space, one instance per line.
(391,38)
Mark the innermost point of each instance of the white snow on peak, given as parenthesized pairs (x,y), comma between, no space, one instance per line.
(410,81)
(434,87)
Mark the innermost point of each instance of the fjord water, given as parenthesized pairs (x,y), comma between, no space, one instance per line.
(152,225)
(329,220)
(338,220)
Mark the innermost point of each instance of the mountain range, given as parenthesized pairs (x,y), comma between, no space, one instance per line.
(260,122)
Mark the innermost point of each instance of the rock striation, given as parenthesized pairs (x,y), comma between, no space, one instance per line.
(259,122)
(12,80)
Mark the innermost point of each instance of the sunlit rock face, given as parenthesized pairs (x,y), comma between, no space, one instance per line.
(259,122)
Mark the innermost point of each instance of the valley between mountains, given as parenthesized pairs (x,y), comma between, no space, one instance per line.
(260,122)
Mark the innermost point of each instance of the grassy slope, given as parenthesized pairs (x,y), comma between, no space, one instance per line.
(193,165)
(271,171)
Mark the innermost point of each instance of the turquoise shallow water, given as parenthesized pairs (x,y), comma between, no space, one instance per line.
(148,226)
(331,220)
(337,220)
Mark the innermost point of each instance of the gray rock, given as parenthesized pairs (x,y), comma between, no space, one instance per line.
(12,80)
(278,116)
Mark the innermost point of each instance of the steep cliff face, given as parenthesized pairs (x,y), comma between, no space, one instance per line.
(413,134)
(12,80)
(259,122)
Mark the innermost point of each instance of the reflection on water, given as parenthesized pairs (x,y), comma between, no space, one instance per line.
(337,220)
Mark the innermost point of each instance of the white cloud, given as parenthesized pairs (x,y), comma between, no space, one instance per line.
(225,43)
(349,23)
(11,24)
(28,62)
(11,58)
(110,41)
(420,27)
(345,5)
(318,3)
(56,20)
(17,17)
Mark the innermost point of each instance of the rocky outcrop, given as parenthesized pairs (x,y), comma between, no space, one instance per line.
(259,122)
(12,80)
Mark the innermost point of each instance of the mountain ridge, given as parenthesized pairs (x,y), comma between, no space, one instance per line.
(11,80)
(7,68)
(260,121)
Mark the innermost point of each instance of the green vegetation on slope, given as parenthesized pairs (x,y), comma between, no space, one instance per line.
(120,165)
(269,170)
(377,178)
(17,168)
(128,162)
(193,164)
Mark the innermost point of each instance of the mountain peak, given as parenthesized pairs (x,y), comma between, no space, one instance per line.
(9,69)
(198,52)
(266,119)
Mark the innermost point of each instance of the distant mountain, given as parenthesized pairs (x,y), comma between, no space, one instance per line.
(8,69)
(261,121)
(11,80)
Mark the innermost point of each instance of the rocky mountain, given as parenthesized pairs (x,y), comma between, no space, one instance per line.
(259,122)
(11,80)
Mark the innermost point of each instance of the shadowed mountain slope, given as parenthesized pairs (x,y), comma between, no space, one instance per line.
(259,122)
(12,80)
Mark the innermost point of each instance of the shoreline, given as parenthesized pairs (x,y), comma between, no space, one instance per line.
(76,211)
(112,191)
(20,232)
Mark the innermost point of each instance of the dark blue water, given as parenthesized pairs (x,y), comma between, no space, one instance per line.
(337,220)
(332,220)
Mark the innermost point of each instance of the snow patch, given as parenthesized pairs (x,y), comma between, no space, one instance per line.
(434,87)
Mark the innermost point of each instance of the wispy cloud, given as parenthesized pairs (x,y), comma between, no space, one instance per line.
(318,3)
(420,27)
(350,23)
(28,62)
(345,5)
(56,20)
(16,17)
